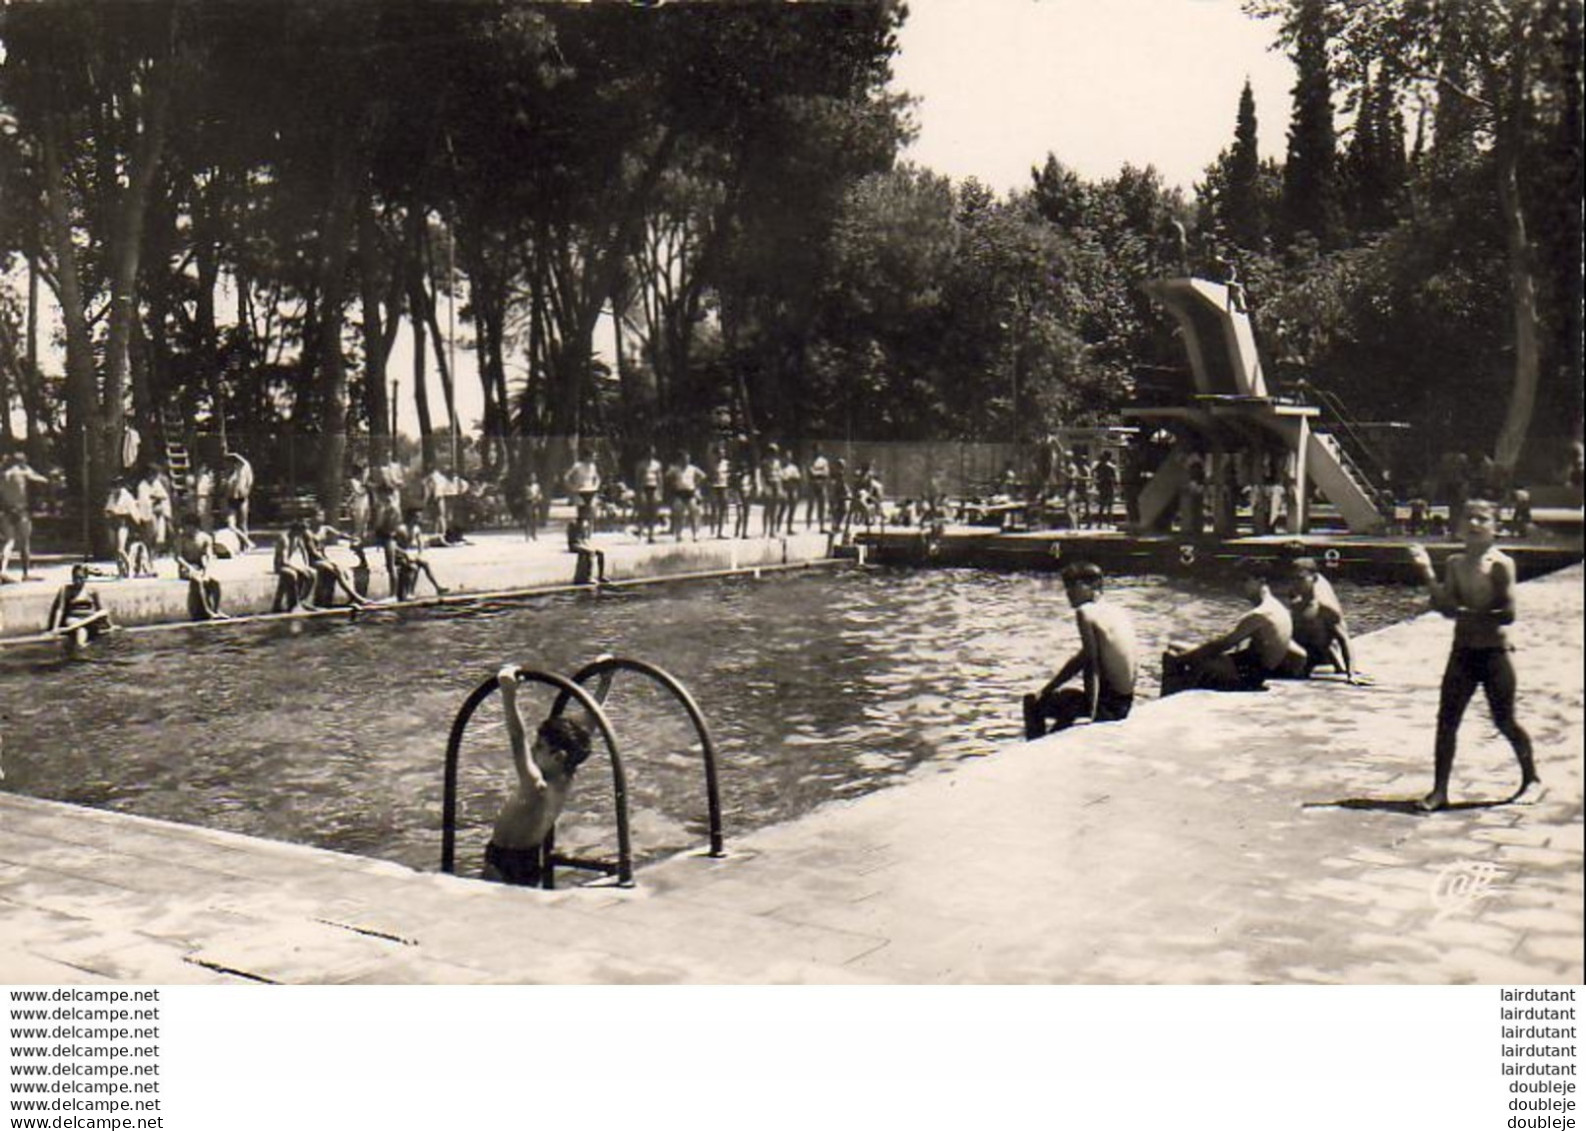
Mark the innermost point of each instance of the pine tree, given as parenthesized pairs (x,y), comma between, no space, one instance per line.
(1310,188)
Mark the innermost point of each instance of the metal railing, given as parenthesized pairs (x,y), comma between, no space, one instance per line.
(567,689)
(603,669)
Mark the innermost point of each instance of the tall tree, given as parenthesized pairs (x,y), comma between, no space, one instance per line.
(1310,175)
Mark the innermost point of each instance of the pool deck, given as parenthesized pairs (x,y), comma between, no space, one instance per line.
(490,563)
(1211,838)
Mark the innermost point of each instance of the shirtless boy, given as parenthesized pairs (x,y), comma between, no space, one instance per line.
(1260,646)
(1106,659)
(515,854)
(195,556)
(76,614)
(1319,625)
(329,576)
(1477,594)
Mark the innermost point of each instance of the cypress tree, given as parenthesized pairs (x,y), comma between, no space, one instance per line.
(1310,175)
(1242,210)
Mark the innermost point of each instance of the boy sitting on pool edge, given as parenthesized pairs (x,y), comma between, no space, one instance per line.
(516,852)
(1106,658)
(1259,647)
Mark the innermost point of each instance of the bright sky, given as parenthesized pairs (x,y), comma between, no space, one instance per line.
(1097,82)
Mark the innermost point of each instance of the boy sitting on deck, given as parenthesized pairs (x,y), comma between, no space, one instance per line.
(1319,625)
(516,852)
(195,556)
(1259,647)
(408,553)
(1477,593)
(328,575)
(1106,658)
(294,585)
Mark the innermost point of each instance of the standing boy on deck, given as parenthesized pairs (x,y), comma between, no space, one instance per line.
(1106,658)
(16,515)
(1260,646)
(516,852)
(1477,593)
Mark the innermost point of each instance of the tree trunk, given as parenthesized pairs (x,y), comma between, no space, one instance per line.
(86,473)
(334,251)
(1522,298)
(378,331)
(125,255)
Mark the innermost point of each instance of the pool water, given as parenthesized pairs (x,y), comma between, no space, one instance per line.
(816,686)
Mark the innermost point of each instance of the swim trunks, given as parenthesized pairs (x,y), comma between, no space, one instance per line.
(519,866)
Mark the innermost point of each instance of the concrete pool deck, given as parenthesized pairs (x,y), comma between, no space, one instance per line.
(1211,838)
(491,562)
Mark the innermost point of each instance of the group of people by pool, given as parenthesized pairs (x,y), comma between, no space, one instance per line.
(1291,639)
(722,494)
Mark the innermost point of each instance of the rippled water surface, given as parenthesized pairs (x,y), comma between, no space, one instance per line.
(816,686)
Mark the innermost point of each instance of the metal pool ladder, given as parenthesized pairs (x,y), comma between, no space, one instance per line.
(604,669)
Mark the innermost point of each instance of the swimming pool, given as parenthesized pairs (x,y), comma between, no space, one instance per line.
(817,686)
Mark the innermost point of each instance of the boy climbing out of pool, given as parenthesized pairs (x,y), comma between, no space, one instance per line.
(76,614)
(1319,625)
(1106,659)
(516,852)
(1477,594)
(1260,646)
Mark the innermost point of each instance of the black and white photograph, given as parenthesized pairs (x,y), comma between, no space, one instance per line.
(847,494)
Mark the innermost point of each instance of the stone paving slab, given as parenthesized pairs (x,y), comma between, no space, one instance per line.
(1211,838)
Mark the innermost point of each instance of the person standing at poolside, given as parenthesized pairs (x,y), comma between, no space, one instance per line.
(530,502)
(1259,647)
(792,488)
(16,515)
(720,489)
(771,491)
(743,485)
(544,771)
(583,483)
(1105,477)
(204,498)
(647,476)
(1477,593)
(820,475)
(1106,659)
(239,490)
(360,503)
(683,481)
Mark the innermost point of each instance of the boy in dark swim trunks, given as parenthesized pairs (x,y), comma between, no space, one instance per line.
(1477,593)
(1106,658)
(516,852)
(76,614)
(1319,624)
(1259,647)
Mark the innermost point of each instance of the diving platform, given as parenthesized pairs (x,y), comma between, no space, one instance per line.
(1231,410)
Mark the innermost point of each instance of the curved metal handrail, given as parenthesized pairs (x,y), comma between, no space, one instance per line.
(566,689)
(607,666)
